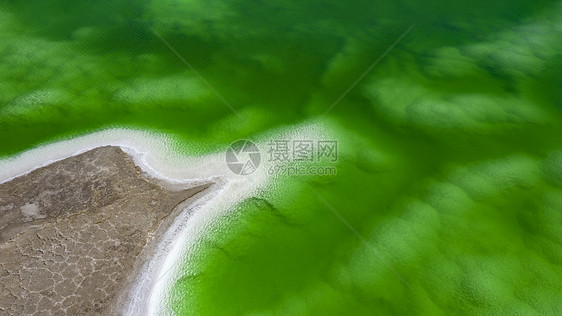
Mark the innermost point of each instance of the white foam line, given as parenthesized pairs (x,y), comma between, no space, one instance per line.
(154,154)
(151,278)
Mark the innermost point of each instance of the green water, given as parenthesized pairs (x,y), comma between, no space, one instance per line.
(450,154)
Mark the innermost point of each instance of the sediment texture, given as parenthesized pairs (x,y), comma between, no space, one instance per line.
(72,233)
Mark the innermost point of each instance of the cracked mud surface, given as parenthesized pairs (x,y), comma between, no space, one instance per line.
(74,234)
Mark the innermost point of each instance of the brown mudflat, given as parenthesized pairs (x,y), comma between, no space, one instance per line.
(74,234)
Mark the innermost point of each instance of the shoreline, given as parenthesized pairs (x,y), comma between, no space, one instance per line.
(153,153)
(150,266)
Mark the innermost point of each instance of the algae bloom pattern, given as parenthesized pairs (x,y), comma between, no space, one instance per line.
(363,157)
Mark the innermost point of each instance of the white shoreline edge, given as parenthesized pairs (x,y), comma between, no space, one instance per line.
(154,154)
